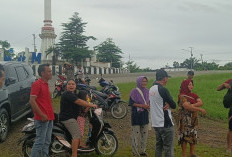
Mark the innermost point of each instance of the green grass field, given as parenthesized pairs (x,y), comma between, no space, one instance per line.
(204,85)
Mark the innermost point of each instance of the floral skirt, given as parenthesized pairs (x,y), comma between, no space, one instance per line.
(189,136)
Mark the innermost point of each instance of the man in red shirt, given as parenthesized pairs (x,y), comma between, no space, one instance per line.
(43,112)
(227,85)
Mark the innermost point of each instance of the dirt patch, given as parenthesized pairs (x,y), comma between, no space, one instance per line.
(211,133)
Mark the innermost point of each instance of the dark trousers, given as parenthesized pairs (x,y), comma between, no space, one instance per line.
(164,141)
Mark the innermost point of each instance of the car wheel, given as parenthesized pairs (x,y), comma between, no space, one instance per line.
(4,124)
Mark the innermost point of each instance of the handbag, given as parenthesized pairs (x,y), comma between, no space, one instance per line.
(141,93)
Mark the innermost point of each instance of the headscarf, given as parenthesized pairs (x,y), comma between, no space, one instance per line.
(184,91)
(136,96)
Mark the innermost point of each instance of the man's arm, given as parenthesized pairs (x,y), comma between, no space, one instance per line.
(223,86)
(36,109)
(167,98)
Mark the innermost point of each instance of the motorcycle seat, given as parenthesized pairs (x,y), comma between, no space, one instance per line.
(103,95)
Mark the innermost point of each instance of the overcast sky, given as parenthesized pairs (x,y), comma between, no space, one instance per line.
(152,32)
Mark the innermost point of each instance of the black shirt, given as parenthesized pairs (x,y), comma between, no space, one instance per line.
(138,118)
(68,108)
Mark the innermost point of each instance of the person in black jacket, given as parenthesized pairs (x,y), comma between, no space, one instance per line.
(68,113)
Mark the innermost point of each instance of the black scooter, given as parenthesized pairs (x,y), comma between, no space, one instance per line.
(102,139)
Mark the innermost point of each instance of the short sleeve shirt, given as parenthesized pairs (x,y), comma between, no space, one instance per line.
(68,108)
(40,89)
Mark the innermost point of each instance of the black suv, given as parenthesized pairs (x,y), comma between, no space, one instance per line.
(14,95)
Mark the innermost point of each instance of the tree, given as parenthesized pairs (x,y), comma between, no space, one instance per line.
(132,67)
(176,64)
(56,52)
(109,52)
(189,63)
(73,44)
(228,66)
(5,46)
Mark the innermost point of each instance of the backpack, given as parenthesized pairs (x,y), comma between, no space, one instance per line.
(227,99)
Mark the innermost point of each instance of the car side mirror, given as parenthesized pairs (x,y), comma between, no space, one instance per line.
(10,80)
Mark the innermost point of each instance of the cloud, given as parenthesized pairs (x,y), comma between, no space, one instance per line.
(152,31)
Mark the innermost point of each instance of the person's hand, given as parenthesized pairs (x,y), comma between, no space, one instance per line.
(226,85)
(44,118)
(146,106)
(94,106)
(203,111)
(167,106)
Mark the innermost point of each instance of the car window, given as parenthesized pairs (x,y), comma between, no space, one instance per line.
(28,69)
(10,72)
(22,74)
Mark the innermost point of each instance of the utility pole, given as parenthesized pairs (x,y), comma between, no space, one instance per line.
(202,61)
(191,56)
(34,42)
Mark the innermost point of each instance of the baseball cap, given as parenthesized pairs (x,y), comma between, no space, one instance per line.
(161,74)
(190,72)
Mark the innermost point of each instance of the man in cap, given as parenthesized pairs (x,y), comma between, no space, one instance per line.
(161,118)
(190,76)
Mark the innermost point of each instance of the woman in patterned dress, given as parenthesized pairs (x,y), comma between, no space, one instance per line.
(189,106)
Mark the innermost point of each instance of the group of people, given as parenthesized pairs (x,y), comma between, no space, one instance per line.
(158,102)
(155,102)
(70,112)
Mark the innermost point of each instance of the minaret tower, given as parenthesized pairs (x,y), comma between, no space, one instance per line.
(47,33)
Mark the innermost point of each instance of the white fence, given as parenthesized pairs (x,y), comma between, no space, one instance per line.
(87,70)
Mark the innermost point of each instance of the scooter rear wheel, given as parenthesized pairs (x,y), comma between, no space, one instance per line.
(119,110)
(107,144)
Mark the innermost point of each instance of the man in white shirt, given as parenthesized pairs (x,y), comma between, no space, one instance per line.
(160,104)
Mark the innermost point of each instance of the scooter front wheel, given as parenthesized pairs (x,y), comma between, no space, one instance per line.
(119,110)
(27,147)
(107,144)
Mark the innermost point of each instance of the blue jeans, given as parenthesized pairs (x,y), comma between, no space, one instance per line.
(164,141)
(43,139)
